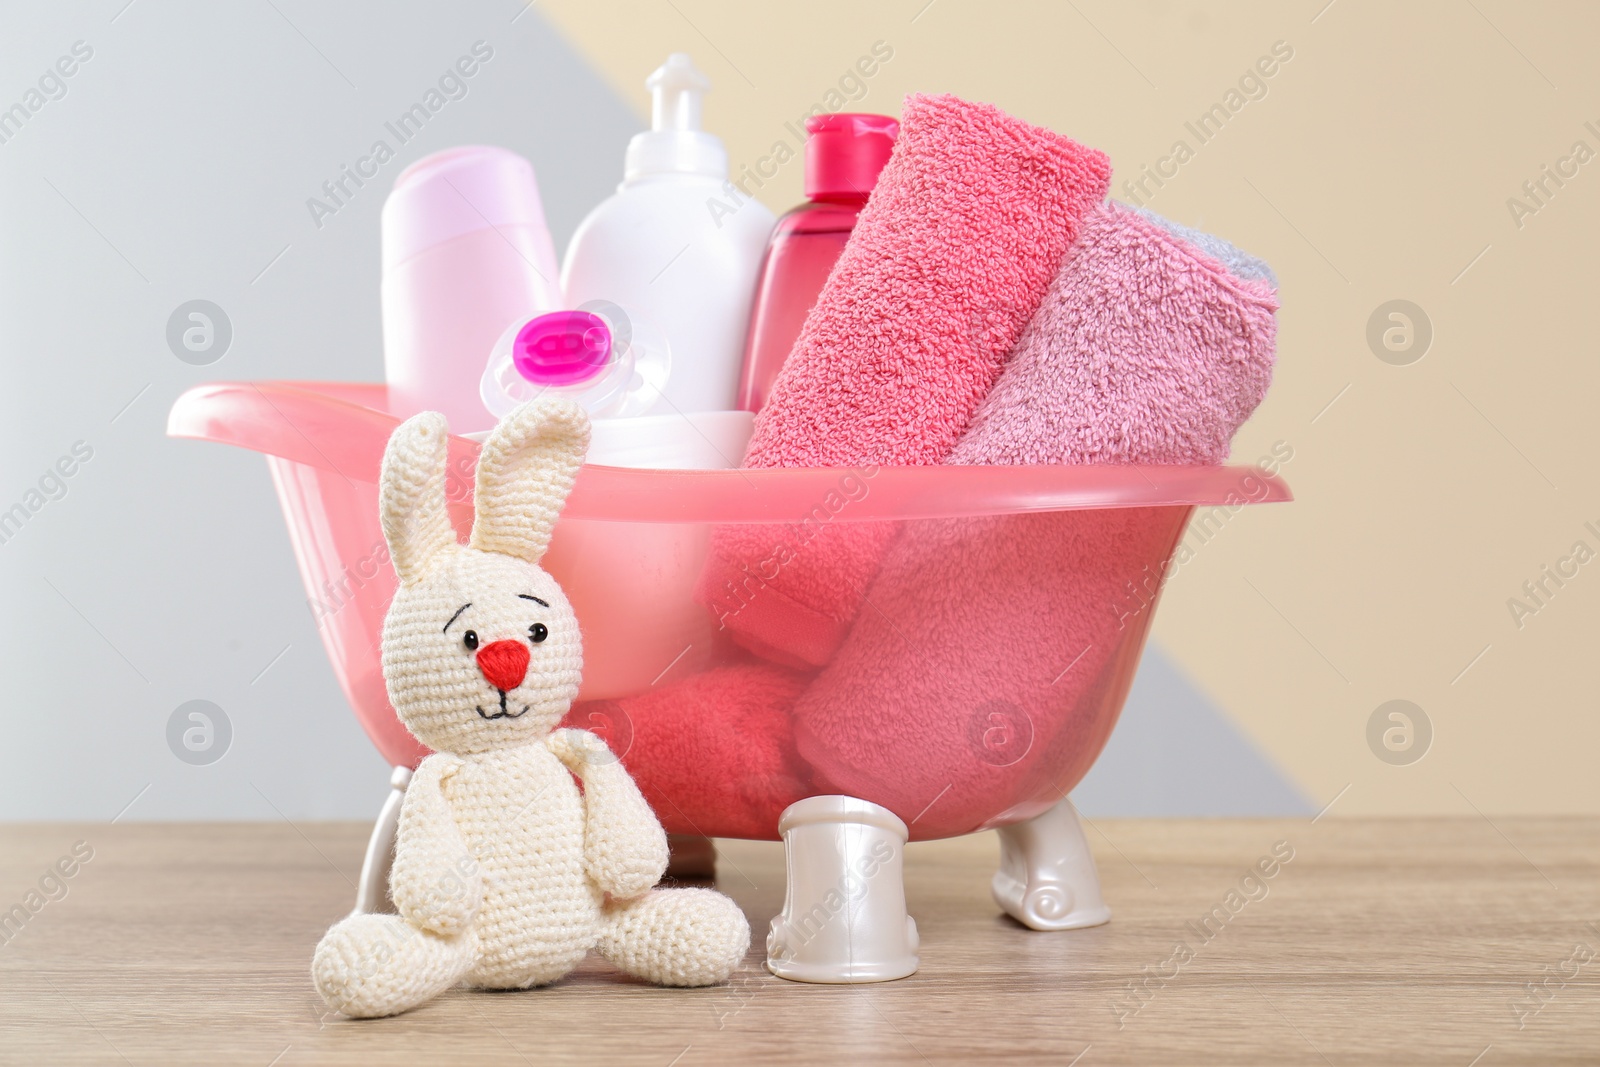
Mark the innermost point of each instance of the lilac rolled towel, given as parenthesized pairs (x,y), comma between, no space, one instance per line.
(991,640)
(1145,349)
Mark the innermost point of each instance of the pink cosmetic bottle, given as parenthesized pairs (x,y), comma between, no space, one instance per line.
(466,253)
(844,153)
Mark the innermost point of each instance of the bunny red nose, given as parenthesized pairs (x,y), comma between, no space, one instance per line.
(504,663)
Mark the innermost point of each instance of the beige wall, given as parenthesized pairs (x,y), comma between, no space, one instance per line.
(1377,166)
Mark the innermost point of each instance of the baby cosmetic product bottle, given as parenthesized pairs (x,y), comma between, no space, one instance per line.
(677,246)
(465,254)
(844,154)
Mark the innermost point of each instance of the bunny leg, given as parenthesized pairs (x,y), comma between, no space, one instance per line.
(372,965)
(675,937)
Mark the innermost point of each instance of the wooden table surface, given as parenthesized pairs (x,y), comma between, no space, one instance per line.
(1380,941)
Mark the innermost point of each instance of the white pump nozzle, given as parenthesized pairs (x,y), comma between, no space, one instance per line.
(675,143)
(676,89)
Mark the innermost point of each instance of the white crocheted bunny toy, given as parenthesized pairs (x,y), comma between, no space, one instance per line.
(505,875)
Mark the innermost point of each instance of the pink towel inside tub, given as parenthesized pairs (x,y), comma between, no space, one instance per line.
(987,638)
(712,753)
(949,259)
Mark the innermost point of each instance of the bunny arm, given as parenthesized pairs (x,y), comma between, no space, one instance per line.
(435,882)
(625,848)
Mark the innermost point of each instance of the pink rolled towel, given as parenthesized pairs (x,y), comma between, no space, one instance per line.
(973,681)
(948,261)
(993,640)
(712,753)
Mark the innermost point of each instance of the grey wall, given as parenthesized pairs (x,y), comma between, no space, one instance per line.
(1175,753)
(176,167)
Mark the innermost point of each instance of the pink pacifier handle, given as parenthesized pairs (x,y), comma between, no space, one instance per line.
(562,348)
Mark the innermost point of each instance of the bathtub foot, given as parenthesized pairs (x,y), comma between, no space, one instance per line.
(372,894)
(1047,878)
(844,914)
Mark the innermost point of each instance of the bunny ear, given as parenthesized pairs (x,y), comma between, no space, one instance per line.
(411,496)
(525,471)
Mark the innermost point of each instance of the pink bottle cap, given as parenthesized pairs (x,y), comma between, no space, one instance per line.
(456,192)
(562,348)
(845,152)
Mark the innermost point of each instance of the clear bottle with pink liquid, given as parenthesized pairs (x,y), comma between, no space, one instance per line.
(844,154)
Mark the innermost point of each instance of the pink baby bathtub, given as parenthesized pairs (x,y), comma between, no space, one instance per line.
(983,674)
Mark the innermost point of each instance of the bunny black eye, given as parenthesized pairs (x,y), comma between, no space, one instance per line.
(538,632)
(470,639)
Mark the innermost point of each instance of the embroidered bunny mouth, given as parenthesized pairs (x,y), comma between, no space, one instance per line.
(503,713)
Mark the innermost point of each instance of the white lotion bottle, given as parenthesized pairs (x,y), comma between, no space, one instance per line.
(677,246)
